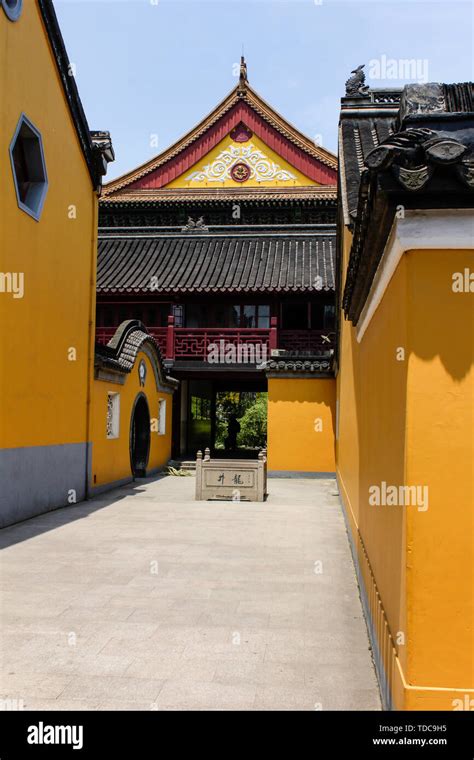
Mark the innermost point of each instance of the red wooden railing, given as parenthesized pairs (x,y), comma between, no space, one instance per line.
(195,342)
(104,334)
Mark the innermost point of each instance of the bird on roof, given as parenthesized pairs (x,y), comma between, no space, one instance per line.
(355,85)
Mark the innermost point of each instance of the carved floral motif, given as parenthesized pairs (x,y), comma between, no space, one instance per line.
(240,172)
(261,168)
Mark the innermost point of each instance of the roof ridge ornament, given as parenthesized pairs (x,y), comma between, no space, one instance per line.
(243,78)
(193,226)
(355,85)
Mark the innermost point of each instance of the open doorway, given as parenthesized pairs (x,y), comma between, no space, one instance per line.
(241,423)
(140,437)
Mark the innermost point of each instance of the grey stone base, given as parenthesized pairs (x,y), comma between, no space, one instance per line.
(297,474)
(37,479)
(97,490)
(384,687)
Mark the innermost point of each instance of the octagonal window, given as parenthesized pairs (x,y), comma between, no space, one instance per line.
(29,169)
(12,8)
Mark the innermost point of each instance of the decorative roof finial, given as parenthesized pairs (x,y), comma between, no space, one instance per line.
(355,85)
(243,73)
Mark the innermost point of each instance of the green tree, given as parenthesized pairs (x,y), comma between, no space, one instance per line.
(253,424)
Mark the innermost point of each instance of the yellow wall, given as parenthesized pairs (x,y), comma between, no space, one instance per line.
(440,455)
(111,457)
(300,180)
(297,409)
(44,396)
(371,449)
(411,422)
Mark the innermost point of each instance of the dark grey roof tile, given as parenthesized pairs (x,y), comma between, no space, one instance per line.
(209,263)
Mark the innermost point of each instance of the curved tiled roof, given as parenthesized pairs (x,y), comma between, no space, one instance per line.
(121,351)
(302,366)
(205,263)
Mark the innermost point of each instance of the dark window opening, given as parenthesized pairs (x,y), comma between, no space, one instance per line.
(29,170)
(295,316)
(227,316)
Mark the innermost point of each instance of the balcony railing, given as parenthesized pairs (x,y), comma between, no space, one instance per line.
(196,343)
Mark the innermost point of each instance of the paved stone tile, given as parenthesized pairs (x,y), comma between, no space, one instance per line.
(144,599)
(24,685)
(186,695)
(170,668)
(60,704)
(119,688)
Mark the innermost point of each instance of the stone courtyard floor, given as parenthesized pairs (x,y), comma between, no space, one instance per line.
(144,599)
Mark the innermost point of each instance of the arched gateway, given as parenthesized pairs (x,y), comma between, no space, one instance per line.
(140,436)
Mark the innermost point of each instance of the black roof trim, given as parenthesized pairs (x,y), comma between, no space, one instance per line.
(93,154)
(303,365)
(121,351)
(428,162)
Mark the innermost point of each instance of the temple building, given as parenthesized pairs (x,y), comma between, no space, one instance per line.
(246,259)
(224,247)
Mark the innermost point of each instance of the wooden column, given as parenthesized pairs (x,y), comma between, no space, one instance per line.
(273,343)
(170,338)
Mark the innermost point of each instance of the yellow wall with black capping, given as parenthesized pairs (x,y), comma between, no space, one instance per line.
(111,456)
(301,424)
(411,422)
(44,395)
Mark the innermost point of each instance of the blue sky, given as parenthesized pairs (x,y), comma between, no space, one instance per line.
(149,70)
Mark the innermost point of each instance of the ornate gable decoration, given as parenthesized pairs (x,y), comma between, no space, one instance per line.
(243,116)
(241,164)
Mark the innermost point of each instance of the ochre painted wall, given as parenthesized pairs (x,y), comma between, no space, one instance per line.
(411,422)
(215,158)
(371,449)
(301,424)
(44,395)
(440,456)
(111,457)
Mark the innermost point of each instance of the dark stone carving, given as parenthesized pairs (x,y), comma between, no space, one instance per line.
(355,85)
(403,147)
(422,99)
(413,179)
(193,226)
(413,155)
(445,151)
(465,171)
